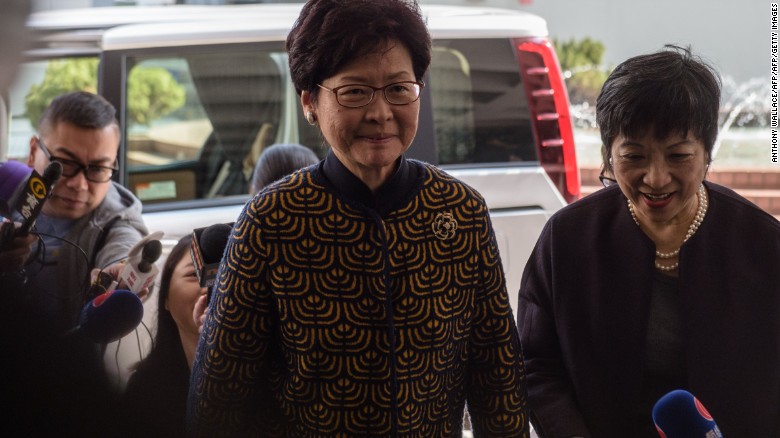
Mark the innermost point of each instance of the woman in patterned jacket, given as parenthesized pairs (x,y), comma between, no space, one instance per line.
(364,295)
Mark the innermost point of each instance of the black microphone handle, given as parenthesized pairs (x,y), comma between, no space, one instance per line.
(7,231)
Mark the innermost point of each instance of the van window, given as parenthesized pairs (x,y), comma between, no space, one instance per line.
(201,129)
(195,123)
(479,105)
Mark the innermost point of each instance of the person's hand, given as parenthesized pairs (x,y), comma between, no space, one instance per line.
(199,311)
(115,271)
(14,258)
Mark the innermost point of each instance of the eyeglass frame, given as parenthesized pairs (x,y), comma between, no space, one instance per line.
(81,167)
(605,180)
(334,90)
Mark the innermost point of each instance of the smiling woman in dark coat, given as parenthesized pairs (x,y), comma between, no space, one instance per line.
(661,281)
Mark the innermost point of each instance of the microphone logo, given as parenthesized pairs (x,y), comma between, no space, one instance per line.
(101,298)
(139,271)
(702,410)
(38,187)
(33,197)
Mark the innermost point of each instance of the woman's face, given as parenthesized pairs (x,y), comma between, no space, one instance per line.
(660,177)
(370,139)
(183,292)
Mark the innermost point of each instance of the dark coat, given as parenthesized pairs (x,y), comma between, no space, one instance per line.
(583,311)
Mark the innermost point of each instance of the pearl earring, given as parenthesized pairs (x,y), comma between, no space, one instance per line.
(311,118)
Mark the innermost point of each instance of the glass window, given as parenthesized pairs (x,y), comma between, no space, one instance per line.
(479,105)
(196,124)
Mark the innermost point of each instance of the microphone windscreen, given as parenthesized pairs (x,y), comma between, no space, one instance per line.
(110,316)
(53,172)
(213,241)
(679,414)
(12,175)
(151,251)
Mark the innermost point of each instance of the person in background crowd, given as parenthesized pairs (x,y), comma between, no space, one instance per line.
(363,296)
(278,160)
(155,399)
(660,281)
(99,218)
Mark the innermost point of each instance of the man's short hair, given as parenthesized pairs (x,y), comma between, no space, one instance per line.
(82,109)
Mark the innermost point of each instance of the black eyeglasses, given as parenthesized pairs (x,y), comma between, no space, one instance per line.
(605,180)
(357,95)
(71,168)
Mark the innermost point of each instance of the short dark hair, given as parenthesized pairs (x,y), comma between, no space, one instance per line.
(79,108)
(279,160)
(669,92)
(328,34)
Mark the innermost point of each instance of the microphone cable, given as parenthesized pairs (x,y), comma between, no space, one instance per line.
(117,366)
(39,256)
(86,280)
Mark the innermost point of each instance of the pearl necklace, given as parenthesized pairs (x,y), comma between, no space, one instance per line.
(701,210)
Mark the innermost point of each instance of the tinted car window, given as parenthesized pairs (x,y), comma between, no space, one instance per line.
(196,123)
(479,104)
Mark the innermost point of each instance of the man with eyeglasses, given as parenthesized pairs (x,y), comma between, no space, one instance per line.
(88,221)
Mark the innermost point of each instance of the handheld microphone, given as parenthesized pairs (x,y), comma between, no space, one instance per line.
(110,316)
(679,414)
(24,190)
(140,270)
(208,245)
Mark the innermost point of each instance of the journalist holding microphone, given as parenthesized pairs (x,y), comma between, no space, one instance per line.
(86,222)
(661,281)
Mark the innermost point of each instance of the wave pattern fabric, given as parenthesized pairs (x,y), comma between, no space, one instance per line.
(331,320)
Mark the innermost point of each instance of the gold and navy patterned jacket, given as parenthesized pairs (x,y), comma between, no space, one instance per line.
(342,313)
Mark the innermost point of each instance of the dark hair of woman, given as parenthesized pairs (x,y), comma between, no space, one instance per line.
(167,336)
(155,402)
(279,160)
(317,51)
(638,97)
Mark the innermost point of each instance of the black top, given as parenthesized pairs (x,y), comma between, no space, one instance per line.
(665,351)
(155,400)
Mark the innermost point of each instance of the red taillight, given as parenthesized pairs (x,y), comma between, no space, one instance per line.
(549,106)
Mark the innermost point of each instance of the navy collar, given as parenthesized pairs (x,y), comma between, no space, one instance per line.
(387,198)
